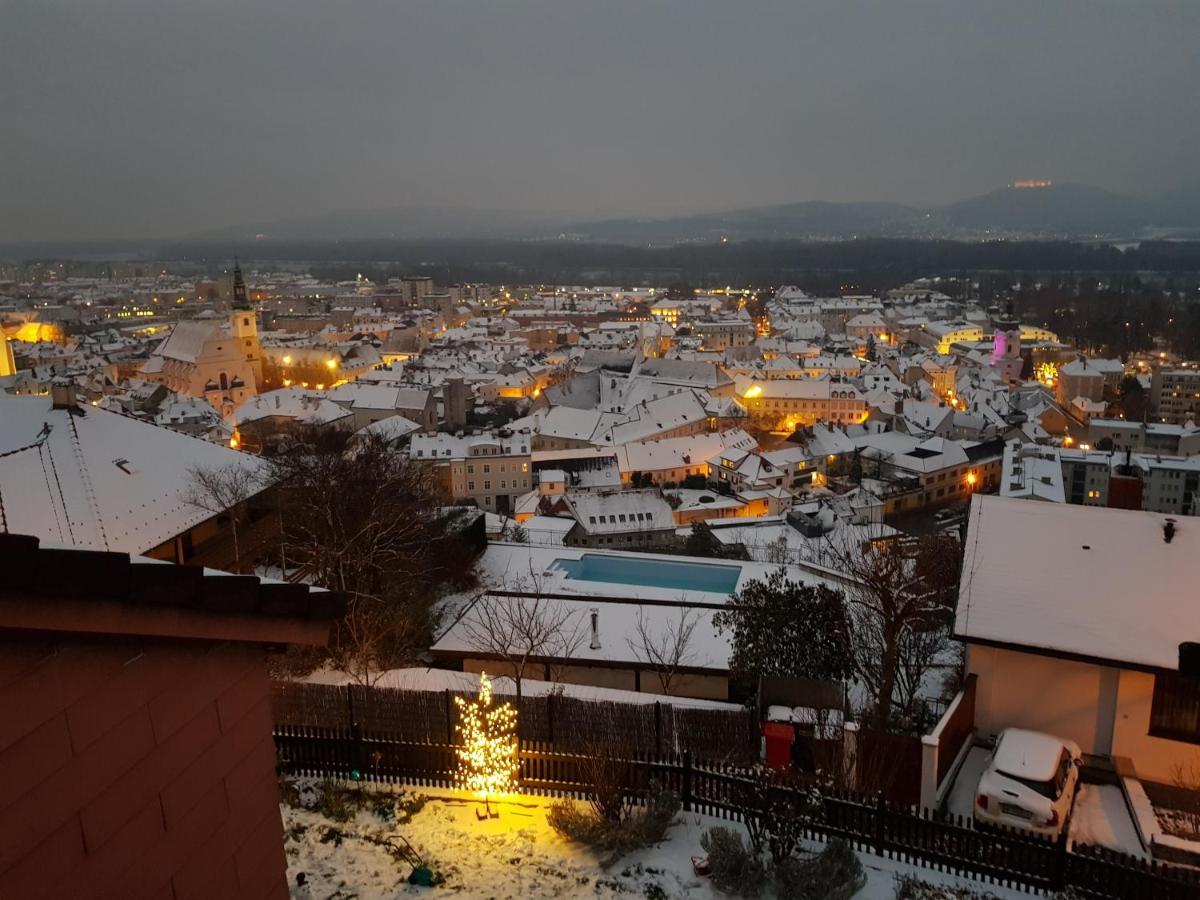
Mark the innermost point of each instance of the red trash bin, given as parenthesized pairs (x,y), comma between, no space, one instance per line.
(779,738)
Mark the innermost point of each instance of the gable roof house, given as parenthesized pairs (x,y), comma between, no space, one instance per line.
(620,519)
(285,409)
(89,478)
(1081,622)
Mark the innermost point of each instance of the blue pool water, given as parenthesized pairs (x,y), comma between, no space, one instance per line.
(680,576)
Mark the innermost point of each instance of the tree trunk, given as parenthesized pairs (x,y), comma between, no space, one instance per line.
(237,554)
(887,679)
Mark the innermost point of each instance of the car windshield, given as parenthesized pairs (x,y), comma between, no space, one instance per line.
(1052,789)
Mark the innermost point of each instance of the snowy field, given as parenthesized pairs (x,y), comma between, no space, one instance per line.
(516,855)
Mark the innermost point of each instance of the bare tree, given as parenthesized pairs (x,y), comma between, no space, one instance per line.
(665,649)
(523,631)
(900,592)
(369,523)
(224,490)
(373,637)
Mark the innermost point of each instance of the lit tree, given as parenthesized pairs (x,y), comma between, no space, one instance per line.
(487,756)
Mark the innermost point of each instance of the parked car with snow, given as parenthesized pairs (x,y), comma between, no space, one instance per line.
(1029,782)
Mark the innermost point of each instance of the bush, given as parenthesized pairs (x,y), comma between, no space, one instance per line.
(833,874)
(735,868)
(909,887)
(642,827)
(336,800)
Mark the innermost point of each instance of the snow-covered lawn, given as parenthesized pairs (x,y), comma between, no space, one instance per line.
(517,855)
(1101,819)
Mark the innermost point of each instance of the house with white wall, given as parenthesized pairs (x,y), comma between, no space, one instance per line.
(1079,621)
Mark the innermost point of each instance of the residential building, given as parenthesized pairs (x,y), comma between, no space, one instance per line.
(1128,480)
(1175,394)
(639,519)
(1078,623)
(85,477)
(1118,435)
(1089,379)
(784,404)
(490,469)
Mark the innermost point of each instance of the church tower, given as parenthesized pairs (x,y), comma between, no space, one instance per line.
(1006,346)
(243,323)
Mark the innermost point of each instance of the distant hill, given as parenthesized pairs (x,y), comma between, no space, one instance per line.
(1053,211)
(1065,209)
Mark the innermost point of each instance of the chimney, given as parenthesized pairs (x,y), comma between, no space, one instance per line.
(595,616)
(62,394)
(1169,530)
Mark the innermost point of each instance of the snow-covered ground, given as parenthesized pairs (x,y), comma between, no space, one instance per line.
(961,801)
(1101,819)
(518,855)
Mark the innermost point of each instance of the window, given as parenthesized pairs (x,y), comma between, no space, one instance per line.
(486,468)
(487,485)
(1175,709)
(470,469)
(470,485)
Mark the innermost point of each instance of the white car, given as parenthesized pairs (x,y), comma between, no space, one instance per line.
(1029,782)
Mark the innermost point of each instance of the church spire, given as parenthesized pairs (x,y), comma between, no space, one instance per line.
(240,298)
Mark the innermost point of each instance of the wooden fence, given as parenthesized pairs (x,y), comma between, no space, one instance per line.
(430,717)
(873,825)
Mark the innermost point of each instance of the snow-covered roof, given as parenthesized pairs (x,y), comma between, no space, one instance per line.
(611,512)
(296,403)
(615,621)
(135,471)
(186,341)
(391,428)
(452,446)
(1087,581)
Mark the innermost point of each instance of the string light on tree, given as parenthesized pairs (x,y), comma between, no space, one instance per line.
(487,752)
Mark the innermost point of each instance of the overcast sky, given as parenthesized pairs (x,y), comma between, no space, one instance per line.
(156,118)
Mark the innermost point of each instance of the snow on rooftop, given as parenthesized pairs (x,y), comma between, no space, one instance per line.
(1094,582)
(137,472)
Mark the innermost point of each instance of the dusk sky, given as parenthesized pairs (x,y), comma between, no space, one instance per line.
(131,118)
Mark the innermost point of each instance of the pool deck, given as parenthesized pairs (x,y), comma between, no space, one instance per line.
(523,567)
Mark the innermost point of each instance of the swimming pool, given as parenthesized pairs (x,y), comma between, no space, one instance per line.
(680,576)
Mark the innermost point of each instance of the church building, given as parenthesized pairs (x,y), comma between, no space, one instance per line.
(220,362)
